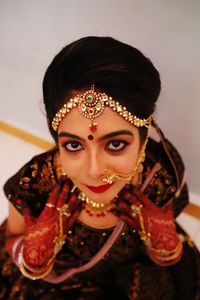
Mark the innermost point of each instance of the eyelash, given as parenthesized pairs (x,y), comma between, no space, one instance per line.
(64,145)
(119,142)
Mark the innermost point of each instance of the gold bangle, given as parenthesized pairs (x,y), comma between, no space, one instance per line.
(27,273)
(166,255)
(59,242)
(161,254)
(33,276)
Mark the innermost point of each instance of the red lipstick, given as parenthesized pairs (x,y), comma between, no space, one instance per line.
(100,188)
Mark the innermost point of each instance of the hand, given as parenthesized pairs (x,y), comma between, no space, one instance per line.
(154,224)
(42,233)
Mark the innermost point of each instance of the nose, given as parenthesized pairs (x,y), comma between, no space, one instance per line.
(95,166)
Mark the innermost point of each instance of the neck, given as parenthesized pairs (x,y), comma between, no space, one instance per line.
(104,222)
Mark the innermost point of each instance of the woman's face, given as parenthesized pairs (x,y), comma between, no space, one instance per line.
(115,146)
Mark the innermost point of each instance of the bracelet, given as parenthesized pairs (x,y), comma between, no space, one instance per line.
(34,270)
(28,273)
(165,255)
(161,254)
(144,236)
(38,273)
(60,239)
(15,248)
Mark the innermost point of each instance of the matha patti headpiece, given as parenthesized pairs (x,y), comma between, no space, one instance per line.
(91,105)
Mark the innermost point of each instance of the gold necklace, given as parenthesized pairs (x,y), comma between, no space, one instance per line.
(94,208)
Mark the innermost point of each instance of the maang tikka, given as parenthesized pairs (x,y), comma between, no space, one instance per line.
(91,105)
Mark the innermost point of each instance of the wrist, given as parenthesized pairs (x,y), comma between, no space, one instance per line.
(35,270)
(165,257)
(31,273)
(13,244)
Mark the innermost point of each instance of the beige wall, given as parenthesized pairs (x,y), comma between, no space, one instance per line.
(167,31)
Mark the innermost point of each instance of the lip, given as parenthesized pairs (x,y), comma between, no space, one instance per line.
(100,188)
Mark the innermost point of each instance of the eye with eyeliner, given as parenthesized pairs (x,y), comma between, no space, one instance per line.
(116,145)
(72,146)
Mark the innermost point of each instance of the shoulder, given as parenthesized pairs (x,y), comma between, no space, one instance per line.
(33,182)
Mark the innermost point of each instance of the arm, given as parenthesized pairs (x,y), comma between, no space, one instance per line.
(14,229)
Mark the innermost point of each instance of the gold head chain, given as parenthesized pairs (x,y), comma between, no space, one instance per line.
(91,105)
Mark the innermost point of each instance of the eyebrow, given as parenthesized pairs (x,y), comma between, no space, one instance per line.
(104,137)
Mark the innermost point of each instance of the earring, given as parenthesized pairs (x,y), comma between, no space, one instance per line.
(64,175)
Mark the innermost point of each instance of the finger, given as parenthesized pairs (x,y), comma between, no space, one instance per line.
(49,209)
(28,217)
(115,200)
(144,199)
(73,203)
(70,221)
(126,194)
(53,197)
(74,200)
(128,219)
(64,195)
(124,209)
(66,209)
(129,199)
(50,206)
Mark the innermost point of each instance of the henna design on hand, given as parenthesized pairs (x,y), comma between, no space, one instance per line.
(41,233)
(158,222)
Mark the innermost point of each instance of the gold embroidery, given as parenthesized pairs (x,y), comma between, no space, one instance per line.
(42,178)
(35,169)
(136,282)
(161,187)
(24,182)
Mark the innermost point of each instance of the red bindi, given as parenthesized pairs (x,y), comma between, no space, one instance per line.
(90,137)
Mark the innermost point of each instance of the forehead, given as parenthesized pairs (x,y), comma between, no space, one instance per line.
(108,121)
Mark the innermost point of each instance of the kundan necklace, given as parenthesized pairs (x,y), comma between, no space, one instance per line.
(94,208)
